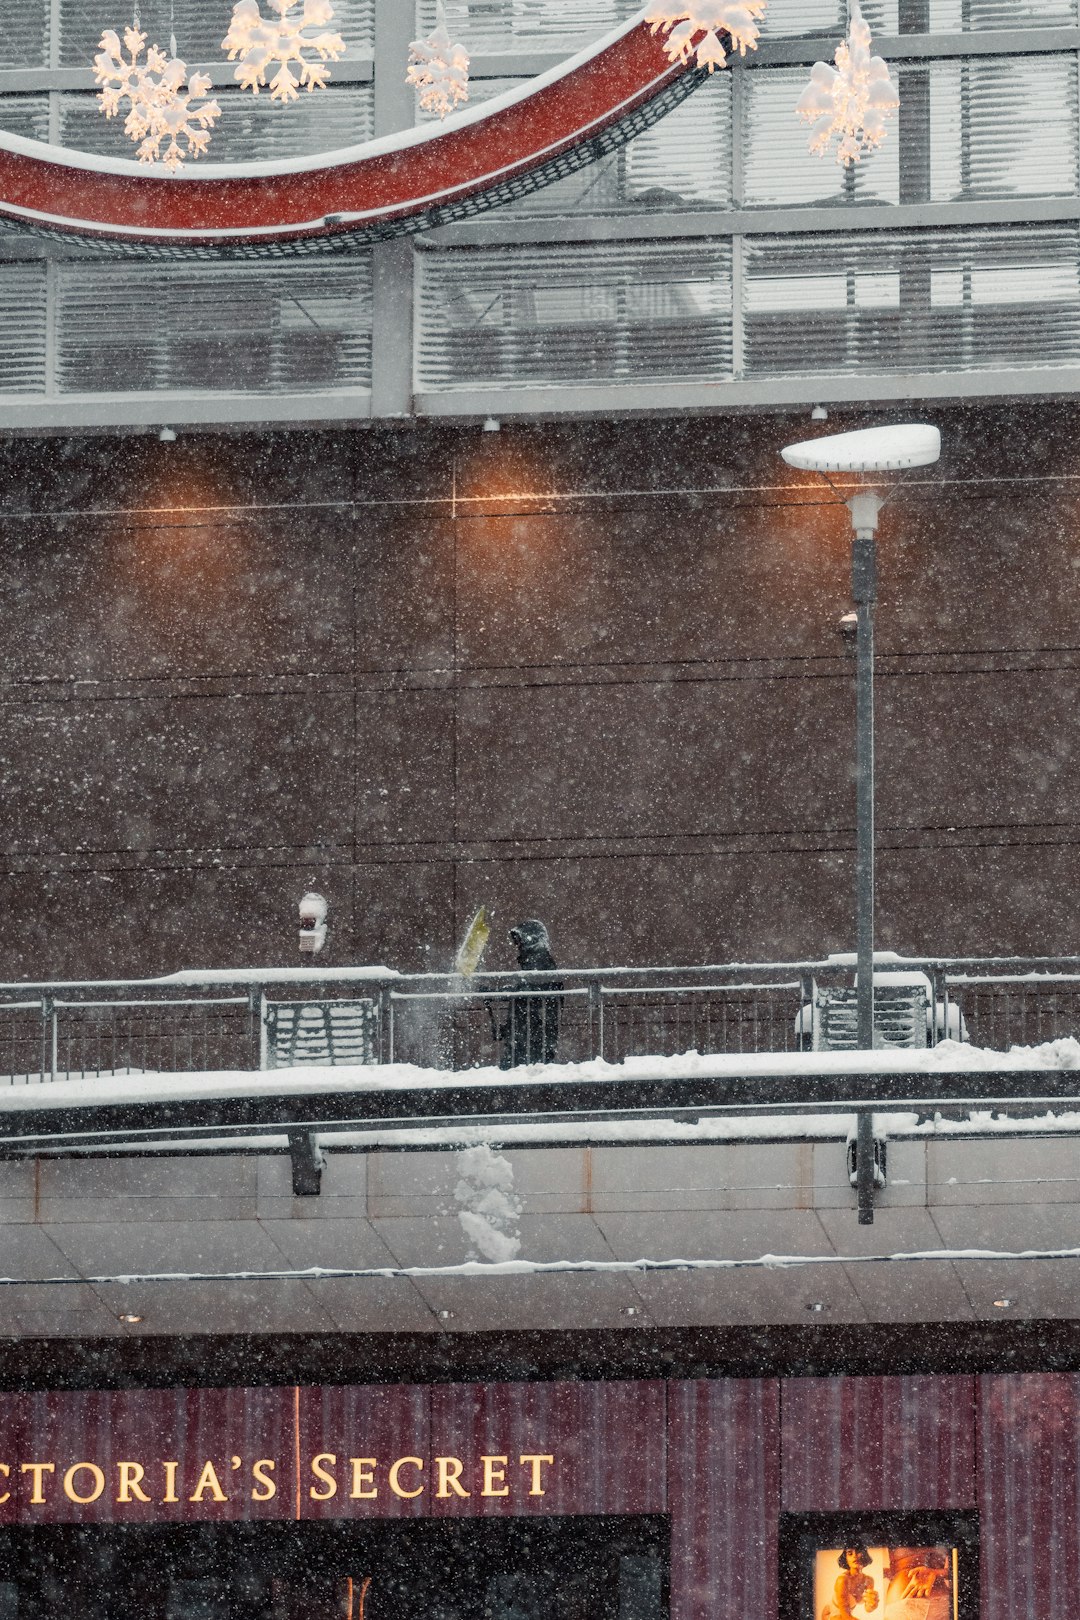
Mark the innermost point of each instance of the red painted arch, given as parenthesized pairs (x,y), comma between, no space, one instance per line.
(377,188)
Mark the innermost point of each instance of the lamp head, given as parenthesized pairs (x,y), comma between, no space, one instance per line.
(869,450)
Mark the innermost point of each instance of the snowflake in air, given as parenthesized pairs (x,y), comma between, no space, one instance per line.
(683,24)
(851,100)
(160,108)
(439,69)
(261,41)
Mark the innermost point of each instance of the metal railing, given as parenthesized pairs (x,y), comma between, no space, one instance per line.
(209,1022)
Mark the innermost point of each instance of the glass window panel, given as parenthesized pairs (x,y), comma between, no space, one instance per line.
(614,311)
(915,301)
(25,115)
(199,27)
(24,36)
(234,328)
(641,1587)
(541,25)
(250,127)
(989,123)
(778,167)
(961,16)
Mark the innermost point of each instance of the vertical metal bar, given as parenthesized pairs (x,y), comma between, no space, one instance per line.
(54,1023)
(864,1167)
(596,1020)
(864,565)
(43,1055)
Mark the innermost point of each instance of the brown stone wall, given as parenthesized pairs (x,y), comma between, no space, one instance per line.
(589,672)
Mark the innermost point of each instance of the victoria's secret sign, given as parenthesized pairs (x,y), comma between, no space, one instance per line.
(360,1479)
(141,1456)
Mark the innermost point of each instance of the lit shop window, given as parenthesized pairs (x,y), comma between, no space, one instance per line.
(890,1566)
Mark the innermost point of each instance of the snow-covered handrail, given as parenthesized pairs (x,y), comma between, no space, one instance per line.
(479,157)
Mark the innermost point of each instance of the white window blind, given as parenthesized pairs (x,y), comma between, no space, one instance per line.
(250,128)
(972,129)
(959,300)
(24,34)
(618,312)
(25,115)
(1002,128)
(778,168)
(23,323)
(963,16)
(541,25)
(684,161)
(199,26)
(213,328)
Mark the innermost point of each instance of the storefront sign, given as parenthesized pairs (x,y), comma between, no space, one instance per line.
(143,1456)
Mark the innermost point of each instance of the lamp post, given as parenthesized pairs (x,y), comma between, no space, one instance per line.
(865,455)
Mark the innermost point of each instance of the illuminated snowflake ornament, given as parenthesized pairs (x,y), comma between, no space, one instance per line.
(683,25)
(160,108)
(439,69)
(259,42)
(850,101)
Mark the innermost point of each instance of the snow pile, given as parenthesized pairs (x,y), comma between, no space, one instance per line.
(490,1208)
(1059,1054)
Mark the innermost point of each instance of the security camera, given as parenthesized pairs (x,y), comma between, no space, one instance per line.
(313,910)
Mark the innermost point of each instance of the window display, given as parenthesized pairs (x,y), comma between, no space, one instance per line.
(848,1566)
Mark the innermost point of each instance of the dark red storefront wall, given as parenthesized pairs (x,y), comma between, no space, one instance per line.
(721,1457)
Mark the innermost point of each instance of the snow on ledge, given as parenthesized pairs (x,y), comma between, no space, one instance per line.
(951,1056)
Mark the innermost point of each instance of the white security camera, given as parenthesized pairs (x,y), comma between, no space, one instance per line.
(313,910)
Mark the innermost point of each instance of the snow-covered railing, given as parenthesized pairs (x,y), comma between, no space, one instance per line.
(250,1019)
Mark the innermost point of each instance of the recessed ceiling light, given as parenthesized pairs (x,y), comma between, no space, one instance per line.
(445,1316)
(816,1306)
(1002,1304)
(129,1316)
(629,1310)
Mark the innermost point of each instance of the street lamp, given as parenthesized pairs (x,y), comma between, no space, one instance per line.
(865,455)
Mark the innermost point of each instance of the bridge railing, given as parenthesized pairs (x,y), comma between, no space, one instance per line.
(248,1020)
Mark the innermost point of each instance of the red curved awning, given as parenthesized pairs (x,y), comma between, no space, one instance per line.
(382,188)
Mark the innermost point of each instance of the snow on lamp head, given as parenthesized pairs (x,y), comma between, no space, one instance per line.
(869,450)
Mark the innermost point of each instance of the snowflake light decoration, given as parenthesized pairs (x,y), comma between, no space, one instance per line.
(439,69)
(851,100)
(160,109)
(261,41)
(683,24)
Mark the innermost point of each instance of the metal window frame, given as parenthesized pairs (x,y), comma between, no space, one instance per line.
(394,393)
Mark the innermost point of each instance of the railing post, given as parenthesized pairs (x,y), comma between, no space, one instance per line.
(864,1167)
(46,1015)
(596,1018)
(386,1024)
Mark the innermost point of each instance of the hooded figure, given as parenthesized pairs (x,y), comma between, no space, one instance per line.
(530,1033)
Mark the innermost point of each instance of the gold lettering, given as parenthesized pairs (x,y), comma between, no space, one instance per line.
(535,1460)
(363,1474)
(96,1474)
(130,1489)
(327,1479)
(449,1477)
(170,1482)
(208,1481)
(6,1471)
(260,1473)
(38,1470)
(395,1477)
(495,1474)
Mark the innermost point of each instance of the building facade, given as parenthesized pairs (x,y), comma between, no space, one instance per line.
(462,571)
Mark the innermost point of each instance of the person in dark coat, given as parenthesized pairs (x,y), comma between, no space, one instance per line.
(530,1033)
